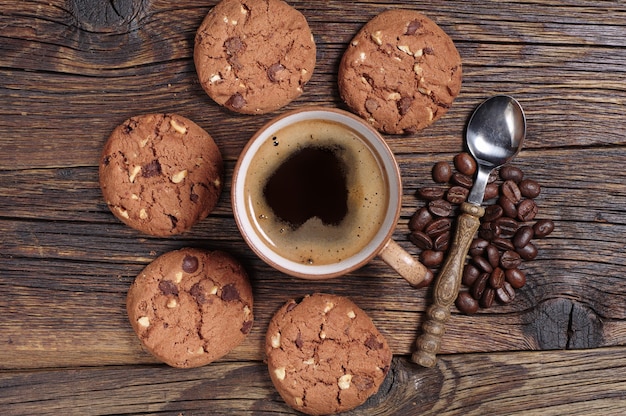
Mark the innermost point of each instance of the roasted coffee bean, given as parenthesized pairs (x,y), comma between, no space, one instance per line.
(440,207)
(527,210)
(508,226)
(510,260)
(492,212)
(523,236)
(421,240)
(429,276)
(528,252)
(482,263)
(465,163)
(442,242)
(493,255)
(543,228)
(457,195)
(496,278)
(508,206)
(438,227)
(430,193)
(511,173)
(489,230)
(503,244)
(470,274)
(431,258)
(492,191)
(442,172)
(486,300)
(466,303)
(506,293)
(529,188)
(479,286)
(515,277)
(511,191)
(420,219)
(478,246)
(504,236)
(462,180)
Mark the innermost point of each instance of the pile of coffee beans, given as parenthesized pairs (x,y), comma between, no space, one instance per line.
(504,240)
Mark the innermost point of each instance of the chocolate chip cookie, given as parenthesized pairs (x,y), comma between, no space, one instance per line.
(160,173)
(401,72)
(190,307)
(325,355)
(254,56)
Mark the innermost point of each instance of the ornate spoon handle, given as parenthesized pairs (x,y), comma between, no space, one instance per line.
(447,287)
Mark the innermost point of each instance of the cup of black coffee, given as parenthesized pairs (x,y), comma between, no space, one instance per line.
(317,193)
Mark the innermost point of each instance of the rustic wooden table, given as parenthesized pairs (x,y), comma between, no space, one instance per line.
(71,70)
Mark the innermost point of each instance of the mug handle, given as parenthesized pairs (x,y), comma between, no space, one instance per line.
(404,263)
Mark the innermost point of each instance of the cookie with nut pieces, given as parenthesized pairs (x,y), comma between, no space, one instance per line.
(190,307)
(401,72)
(254,56)
(160,173)
(325,355)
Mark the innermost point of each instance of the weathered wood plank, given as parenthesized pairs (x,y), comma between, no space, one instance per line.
(152,66)
(75,309)
(70,71)
(62,241)
(578,184)
(537,383)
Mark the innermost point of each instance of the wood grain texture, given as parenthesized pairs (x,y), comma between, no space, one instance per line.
(72,70)
(530,383)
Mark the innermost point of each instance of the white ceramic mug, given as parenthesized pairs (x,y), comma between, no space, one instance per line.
(312,127)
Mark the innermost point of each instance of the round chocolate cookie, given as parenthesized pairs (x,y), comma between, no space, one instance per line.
(325,355)
(254,56)
(401,72)
(190,307)
(160,173)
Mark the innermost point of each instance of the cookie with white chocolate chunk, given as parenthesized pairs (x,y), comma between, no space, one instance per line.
(160,173)
(401,72)
(190,307)
(254,56)
(325,355)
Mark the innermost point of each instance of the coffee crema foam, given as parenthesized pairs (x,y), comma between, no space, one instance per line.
(314,242)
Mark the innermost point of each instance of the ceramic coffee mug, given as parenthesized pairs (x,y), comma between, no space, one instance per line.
(317,193)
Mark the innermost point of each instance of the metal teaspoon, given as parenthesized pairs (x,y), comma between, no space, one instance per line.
(495,134)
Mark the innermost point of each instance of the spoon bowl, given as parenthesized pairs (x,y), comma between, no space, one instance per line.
(495,134)
(496,131)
